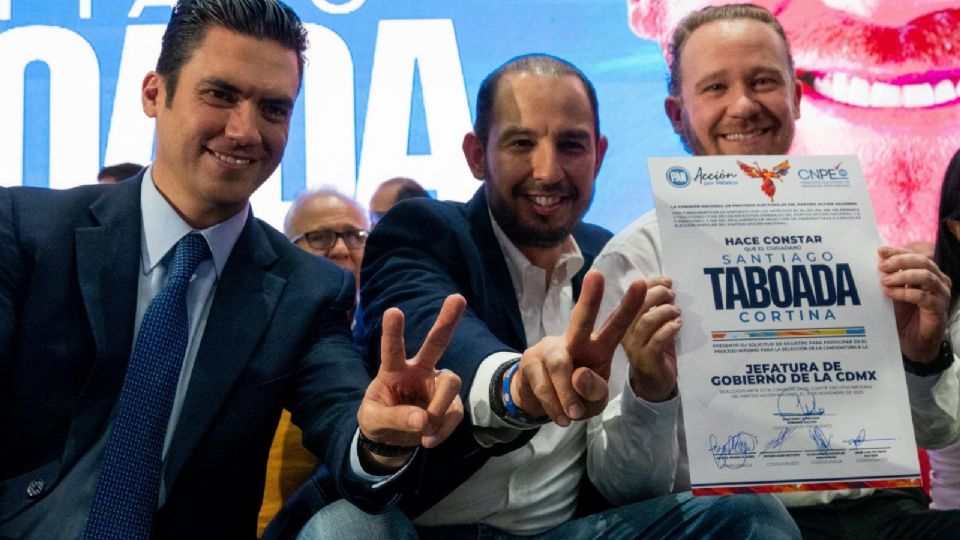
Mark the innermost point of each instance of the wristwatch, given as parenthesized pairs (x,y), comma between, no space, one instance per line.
(383,449)
(943,360)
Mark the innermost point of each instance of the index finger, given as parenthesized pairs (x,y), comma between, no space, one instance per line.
(439,336)
(585,311)
(619,321)
(895,260)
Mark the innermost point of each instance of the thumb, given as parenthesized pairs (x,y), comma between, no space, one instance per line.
(590,386)
(397,424)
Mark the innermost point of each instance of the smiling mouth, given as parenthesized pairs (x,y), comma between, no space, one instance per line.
(545,200)
(912,91)
(741,136)
(230,160)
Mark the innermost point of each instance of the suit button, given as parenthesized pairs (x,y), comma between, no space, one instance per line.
(35,488)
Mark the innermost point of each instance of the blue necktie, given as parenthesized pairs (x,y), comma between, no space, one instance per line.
(129,484)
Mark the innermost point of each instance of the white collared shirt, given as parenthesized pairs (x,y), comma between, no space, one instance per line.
(533,488)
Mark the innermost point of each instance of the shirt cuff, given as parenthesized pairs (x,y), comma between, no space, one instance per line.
(660,416)
(921,388)
(378,481)
(480,411)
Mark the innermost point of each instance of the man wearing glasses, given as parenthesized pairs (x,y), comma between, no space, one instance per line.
(329,224)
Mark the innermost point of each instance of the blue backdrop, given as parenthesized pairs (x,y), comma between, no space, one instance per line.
(79,64)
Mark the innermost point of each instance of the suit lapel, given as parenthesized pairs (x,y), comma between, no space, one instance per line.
(108,263)
(577,281)
(504,299)
(591,240)
(243,305)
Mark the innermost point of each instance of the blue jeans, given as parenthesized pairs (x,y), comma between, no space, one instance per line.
(671,516)
(341,520)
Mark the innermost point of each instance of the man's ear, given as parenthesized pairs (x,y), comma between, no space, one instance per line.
(474,152)
(152,94)
(602,144)
(674,110)
(797,94)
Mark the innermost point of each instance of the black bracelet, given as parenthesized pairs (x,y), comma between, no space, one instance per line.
(513,411)
(943,361)
(496,401)
(383,449)
(499,396)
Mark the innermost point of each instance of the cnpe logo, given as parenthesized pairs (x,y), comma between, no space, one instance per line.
(833,173)
(678,177)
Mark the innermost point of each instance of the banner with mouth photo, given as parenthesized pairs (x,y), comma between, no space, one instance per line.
(788,359)
(390,87)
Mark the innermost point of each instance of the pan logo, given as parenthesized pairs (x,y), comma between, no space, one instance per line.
(338,8)
(678,177)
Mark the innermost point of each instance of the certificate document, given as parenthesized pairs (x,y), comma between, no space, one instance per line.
(789,363)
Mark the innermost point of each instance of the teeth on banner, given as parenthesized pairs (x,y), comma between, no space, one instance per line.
(885,95)
(859,92)
(863,93)
(918,95)
(944,92)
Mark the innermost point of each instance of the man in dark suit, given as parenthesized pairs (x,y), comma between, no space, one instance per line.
(532,367)
(151,332)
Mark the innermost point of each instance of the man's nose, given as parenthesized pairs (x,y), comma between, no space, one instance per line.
(744,104)
(546,164)
(338,250)
(243,124)
(888,12)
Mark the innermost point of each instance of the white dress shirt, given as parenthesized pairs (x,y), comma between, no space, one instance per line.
(945,462)
(533,488)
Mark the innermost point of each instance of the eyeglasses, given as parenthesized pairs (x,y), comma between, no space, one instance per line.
(324,239)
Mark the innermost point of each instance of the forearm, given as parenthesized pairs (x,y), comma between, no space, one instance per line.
(632,449)
(935,407)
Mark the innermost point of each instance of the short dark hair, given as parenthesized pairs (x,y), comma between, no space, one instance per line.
(718,13)
(533,64)
(947,251)
(409,189)
(190,20)
(119,171)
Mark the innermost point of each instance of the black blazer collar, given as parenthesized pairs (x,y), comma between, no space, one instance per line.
(494,262)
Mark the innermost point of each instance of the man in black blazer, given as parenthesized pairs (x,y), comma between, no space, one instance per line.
(531,366)
(268,325)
